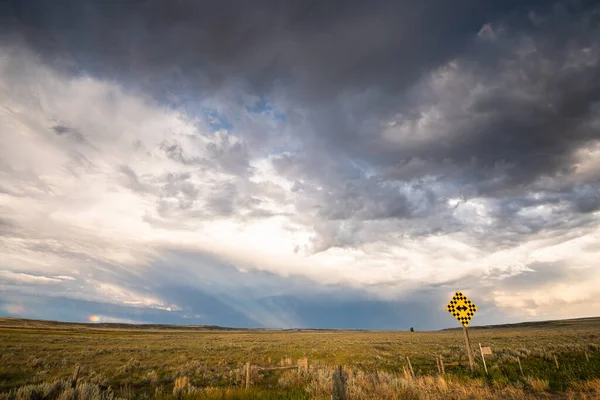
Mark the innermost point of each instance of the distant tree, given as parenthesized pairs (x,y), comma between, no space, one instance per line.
(412,329)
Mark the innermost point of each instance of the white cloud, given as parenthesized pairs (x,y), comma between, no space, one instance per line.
(21,278)
(111,293)
(99,319)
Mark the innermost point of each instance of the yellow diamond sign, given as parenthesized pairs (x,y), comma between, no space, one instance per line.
(461,308)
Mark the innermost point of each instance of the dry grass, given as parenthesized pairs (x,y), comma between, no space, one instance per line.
(361,386)
(211,364)
(538,385)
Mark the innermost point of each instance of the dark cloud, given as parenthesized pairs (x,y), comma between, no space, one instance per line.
(63,130)
(326,48)
(351,70)
(527,118)
(392,120)
(586,198)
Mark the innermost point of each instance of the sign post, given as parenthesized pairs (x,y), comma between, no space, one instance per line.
(463,310)
(484,350)
(469,349)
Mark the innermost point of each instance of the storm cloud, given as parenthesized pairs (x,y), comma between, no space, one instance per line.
(375,155)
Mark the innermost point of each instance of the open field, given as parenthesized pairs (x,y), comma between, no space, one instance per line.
(208,362)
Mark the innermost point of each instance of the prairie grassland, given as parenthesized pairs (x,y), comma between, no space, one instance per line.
(37,360)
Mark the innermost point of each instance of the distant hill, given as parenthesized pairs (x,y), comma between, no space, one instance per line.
(589,322)
(44,324)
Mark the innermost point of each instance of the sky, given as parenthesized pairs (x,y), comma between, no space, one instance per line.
(299,164)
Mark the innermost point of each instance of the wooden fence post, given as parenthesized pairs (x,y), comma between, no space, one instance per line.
(437,362)
(442,365)
(520,367)
(248,366)
(339,385)
(483,358)
(75,376)
(412,372)
(556,361)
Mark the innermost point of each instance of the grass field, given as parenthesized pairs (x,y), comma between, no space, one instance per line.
(38,358)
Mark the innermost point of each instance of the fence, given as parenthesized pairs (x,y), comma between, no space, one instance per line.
(301,366)
(339,377)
